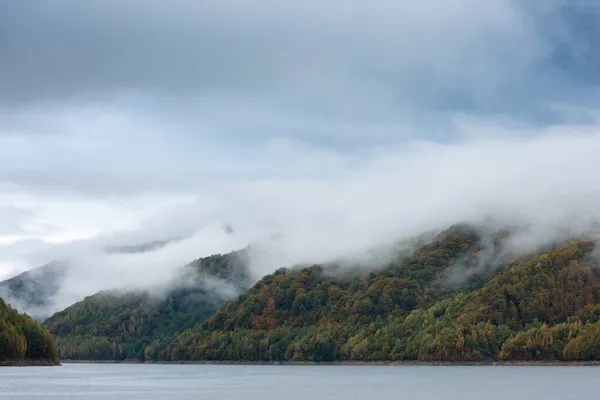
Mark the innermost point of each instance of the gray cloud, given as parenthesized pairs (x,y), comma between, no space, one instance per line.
(143,97)
(546,183)
(324,57)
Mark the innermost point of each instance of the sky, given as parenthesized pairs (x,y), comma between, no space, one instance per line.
(337,125)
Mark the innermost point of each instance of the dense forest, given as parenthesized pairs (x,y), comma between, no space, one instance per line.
(22,339)
(465,295)
(113,325)
(541,307)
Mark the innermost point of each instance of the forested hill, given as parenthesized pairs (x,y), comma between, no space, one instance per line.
(466,295)
(23,340)
(543,306)
(113,325)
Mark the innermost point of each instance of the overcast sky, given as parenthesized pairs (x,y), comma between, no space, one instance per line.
(137,120)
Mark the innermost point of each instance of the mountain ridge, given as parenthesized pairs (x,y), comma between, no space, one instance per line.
(402,313)
(468,295)
(119,324)
(33,290)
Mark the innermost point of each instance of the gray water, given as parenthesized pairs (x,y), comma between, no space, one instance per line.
(173,382)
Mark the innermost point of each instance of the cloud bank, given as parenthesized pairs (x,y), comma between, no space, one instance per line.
(314,129)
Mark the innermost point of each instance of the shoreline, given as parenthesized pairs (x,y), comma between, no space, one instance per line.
(411,363)
(29,363)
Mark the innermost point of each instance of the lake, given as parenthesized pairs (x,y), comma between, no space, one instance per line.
(155,381)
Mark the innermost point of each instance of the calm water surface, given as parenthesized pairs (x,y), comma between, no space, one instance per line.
(149,382)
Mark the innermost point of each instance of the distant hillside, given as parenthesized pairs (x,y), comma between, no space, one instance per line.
(22,339)
(34,290)
(119,325)
(466,295)
(545,306)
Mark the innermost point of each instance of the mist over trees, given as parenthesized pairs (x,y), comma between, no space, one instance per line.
(469,294)
(543,307)
(119,325)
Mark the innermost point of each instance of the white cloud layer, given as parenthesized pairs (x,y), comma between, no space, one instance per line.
(548,180)
(337,125)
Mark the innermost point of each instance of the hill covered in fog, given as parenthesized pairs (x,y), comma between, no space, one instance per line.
(469,294)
